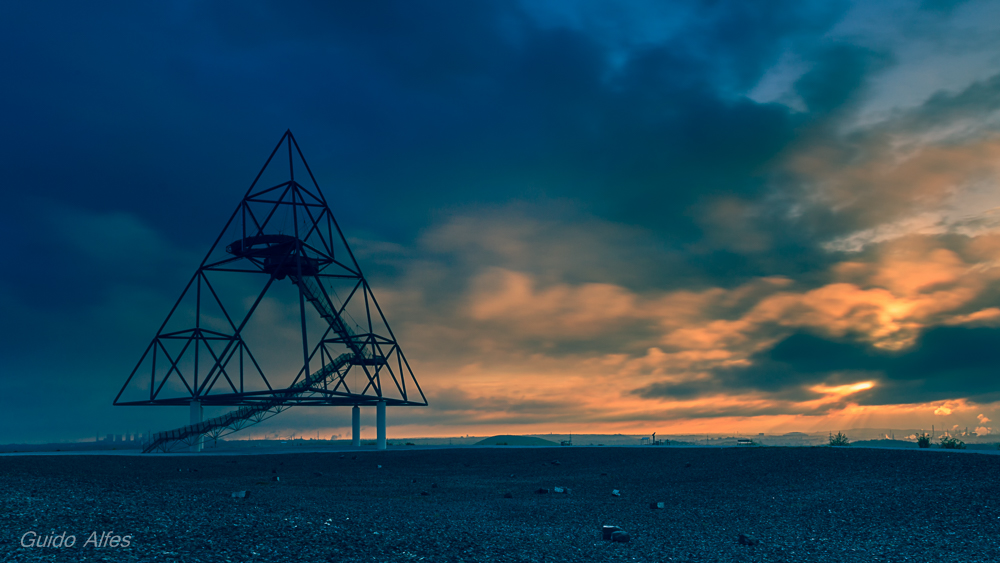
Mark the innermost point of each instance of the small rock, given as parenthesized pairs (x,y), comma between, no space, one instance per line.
(556,463)
(620,536)
(318,473)
(434,485)
(241,494)
(424,494)
(616,493)
(274,471)
(606,531)
(563,490)
(276,478)
(604,474)
(743,540)
(341,456)
(354,457)
(542,491)
(508,495)
(657,505)
(687,464)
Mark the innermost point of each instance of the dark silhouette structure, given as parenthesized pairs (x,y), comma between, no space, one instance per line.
(281,251)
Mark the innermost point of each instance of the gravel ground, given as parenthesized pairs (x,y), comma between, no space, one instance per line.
(800,504)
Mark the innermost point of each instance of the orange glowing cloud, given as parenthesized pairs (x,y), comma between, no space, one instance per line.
(888,301)
(843,390)
(521,339)
(582,311)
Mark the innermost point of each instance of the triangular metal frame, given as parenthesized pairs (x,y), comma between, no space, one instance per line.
(311,258)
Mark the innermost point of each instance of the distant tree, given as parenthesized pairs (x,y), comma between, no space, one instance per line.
(949,443)
(924,441)
(839,440)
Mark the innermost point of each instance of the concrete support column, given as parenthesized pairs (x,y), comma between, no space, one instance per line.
(196,417)
(356,426)
(380,423)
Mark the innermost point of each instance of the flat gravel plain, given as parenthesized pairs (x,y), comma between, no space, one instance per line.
(799,504)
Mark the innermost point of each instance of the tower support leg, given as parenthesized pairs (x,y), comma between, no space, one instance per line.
(356,426)
(380,423)
(196,416)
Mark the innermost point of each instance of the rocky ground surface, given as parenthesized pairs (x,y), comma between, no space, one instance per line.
(795,504)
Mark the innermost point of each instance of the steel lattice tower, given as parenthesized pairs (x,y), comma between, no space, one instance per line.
(281,250)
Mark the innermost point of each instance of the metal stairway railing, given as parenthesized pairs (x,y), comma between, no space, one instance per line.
(238,418)
(313,293)
(242,414)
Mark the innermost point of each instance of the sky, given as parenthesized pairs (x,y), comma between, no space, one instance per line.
(588,216)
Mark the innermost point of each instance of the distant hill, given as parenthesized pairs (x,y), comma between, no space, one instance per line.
(507,440)
(885,443)
(934,444)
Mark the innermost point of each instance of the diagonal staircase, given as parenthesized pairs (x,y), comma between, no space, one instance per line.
(245,416)
(252,414)
(314,294)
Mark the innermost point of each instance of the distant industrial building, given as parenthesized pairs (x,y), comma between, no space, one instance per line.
(127,438)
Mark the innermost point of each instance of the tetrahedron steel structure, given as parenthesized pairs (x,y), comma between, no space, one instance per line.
(278,314)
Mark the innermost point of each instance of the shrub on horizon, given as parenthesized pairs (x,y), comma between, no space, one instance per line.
(839,440)
(924,441)
(949,443)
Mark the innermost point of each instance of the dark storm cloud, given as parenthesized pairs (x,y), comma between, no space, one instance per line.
(642,142)
(786,369)
(838,76)
(167,112)
(162,110)
(945,363)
